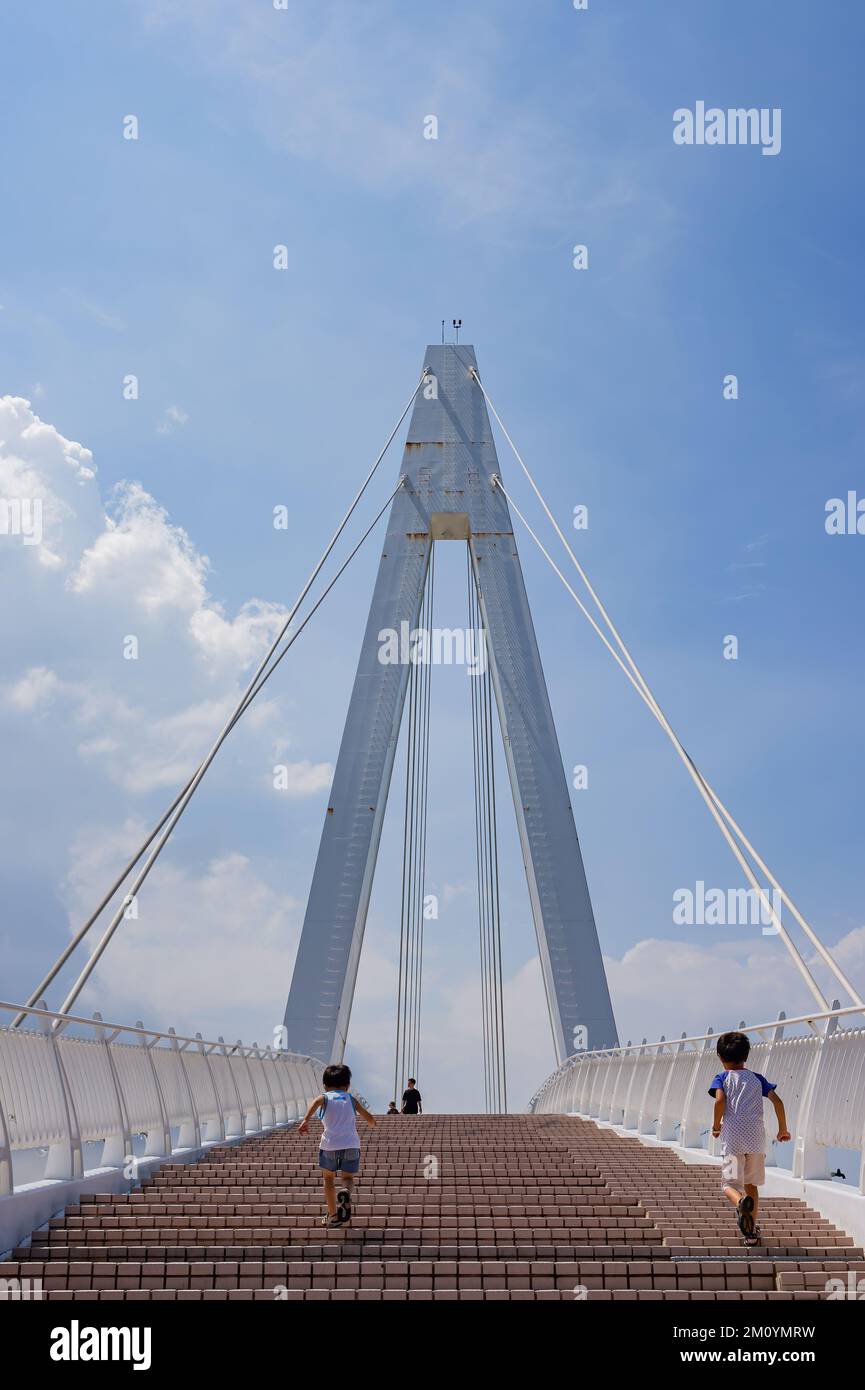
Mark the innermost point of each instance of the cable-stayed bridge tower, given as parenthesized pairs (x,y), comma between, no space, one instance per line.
(449,493)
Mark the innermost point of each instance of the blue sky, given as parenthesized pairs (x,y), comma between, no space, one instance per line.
(304,127)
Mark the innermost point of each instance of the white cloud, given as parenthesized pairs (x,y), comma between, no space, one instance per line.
(36,688)
(143,556)
(174,415)
(659,987)
(38,463)
(667,986)
(211,949)
(350,89)
(303,778)
(119,573)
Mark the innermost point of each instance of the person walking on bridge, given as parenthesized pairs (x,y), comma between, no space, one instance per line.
(339,1147)
(411,1099)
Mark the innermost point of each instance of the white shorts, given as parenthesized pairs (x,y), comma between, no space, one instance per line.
(743,1170)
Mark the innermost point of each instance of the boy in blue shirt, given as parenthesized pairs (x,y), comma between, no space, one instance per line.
(738,1119)
(339,1147)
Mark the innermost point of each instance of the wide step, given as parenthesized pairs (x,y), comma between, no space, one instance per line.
(522,1207)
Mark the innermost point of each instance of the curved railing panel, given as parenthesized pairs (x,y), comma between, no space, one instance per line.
(59,1090)
(661,1088)
(31,1090)
(839,1097)
(138,1086)
(87,1067)
(169,1064)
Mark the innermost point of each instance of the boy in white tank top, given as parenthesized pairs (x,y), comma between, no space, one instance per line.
(339,1147)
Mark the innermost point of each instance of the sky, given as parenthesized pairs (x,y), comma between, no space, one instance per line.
(304,127)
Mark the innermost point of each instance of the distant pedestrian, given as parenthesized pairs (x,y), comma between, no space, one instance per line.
(411,1099)
(391,1109)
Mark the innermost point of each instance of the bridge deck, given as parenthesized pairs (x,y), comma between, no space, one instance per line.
(524,1207)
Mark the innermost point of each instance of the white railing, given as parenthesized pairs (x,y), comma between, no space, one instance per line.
(660,1089)
(59,1091)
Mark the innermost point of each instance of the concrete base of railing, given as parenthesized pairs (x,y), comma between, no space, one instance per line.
(837,1202)
(33,1205)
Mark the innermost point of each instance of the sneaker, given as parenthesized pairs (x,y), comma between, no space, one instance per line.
(343,1204)
(755,1237)
(744,1218)
(332,1222)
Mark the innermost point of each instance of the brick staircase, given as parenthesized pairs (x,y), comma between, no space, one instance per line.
(523,1207)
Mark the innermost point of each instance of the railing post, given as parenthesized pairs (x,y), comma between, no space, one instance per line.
(582,1069)
(295,1088)
(667,1126)
(117,1147)
(559,1087)
(158,1140)
(219,1122)
(271,1105)
(232,1133)
(272,1060)
(809,1157)
(241,1055)
(190,1130)
(7,1182)
(590,1099)
(693,1111)
(658,1052)
(605,1111)
(619,1094)
(630,1115)
(65,1159)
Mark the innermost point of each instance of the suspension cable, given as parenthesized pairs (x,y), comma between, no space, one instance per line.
(418,670)
(241,710)
(80,934)
(424,807)
(798,960)
(489,903)
(407,1045)
(175,811)
(479,839)
(643,688)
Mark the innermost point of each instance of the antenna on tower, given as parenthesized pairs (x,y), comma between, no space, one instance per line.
(458,323)
(443,332)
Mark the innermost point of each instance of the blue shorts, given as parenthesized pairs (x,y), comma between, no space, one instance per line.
(339,1160)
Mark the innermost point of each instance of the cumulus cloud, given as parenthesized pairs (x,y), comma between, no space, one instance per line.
(659,988)
(153,562)
(126,569)
(663,987)
(145,667)
(210,949)
(36,688)
(303,778)
(39,465)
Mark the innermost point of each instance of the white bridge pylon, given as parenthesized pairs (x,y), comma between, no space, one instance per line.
(449,492)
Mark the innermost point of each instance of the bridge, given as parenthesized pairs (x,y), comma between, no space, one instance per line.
(143,1165)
